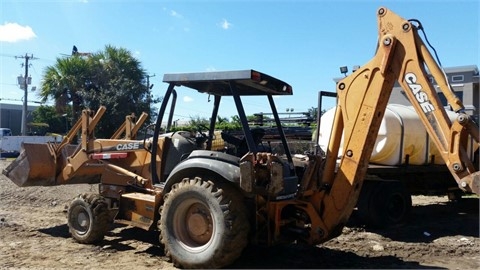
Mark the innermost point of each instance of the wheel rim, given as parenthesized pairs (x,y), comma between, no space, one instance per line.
(80,220)
(193,225)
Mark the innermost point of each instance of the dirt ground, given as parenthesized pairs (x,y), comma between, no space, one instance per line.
(34,235)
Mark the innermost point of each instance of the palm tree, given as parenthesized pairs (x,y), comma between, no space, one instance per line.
(113,78)
(64,82)
(117,84)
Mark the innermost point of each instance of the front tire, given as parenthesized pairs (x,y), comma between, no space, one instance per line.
(203,224)
(88,218)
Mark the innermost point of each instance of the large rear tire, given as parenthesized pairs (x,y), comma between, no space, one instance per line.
(384,203)
(203,224)
(88,218)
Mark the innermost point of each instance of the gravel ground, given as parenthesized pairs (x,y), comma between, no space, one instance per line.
(34,235)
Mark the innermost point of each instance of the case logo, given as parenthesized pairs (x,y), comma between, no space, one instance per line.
(128,146)
(420,95)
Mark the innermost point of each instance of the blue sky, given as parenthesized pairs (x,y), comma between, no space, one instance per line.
(301,42)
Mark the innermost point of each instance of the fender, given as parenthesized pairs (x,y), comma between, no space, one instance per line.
(223,164)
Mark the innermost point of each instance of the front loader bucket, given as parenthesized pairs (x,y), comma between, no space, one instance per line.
(35,166)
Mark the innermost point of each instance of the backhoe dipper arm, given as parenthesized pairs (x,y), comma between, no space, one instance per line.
(362,99)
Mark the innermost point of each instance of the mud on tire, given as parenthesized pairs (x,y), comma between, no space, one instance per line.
(203,224)
(88,218)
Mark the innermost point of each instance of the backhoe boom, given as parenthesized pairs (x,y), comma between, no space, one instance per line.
(362,100)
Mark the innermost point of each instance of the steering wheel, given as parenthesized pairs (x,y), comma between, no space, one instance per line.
(200,128)
(200,140)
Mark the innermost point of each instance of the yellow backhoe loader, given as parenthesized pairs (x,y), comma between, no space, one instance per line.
(209,204)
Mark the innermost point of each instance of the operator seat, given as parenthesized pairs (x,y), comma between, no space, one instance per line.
(241,144)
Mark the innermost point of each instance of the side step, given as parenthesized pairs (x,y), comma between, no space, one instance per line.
(139,210)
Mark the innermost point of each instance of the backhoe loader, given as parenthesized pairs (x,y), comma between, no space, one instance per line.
(209,204)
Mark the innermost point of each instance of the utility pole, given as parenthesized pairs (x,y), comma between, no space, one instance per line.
(148,81)
(25,88)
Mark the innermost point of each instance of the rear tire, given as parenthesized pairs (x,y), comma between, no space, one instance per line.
(88,218)
(384,203)
(203,224)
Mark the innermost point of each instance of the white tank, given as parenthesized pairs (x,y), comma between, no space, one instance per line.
(401,133)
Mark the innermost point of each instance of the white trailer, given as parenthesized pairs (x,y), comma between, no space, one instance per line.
(10,146)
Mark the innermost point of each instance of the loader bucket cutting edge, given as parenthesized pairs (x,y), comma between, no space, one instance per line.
(35,166)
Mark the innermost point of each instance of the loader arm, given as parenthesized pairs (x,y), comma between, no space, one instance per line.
(362,99)
(129,128)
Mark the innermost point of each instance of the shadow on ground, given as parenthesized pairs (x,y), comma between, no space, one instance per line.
(311,257)
(429,222)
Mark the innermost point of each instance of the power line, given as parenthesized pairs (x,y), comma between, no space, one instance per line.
(36,58)
(14,99)
(7,55)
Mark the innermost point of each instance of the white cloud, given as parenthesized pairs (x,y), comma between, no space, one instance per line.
(175,14)
(225,24)
(187,99)
(210,68)
(13,32)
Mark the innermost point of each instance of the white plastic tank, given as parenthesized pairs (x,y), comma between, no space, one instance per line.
(401,133)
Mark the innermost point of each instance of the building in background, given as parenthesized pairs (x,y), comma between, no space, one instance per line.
(11,116)
(465,83)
